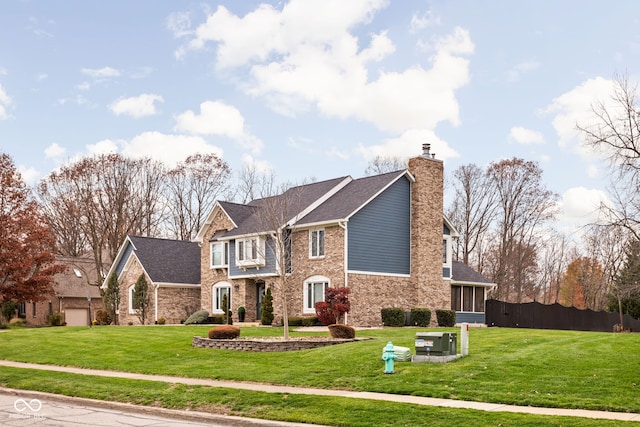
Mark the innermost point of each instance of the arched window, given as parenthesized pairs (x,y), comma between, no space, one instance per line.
(219,290)
(313,289)
(131,309)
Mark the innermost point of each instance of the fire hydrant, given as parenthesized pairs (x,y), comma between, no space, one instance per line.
(388,355)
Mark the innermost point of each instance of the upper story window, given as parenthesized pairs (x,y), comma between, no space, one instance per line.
(219,254)
(316,243)
(250,252)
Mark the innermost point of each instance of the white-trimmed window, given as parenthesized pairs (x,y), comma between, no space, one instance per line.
(131,309)
(250,252)
(219,254)
(316,243)
(218,292)
(314,289)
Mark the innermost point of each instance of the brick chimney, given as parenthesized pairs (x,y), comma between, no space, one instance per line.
(427,230)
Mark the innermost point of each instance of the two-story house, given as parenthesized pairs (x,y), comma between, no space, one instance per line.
(379,235)
(384,236)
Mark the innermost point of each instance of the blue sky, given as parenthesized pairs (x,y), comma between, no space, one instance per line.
(315,88)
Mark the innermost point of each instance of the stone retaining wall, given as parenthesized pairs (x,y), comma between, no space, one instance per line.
(241,344)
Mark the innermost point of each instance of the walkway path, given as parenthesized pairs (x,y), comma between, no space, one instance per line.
(415,400)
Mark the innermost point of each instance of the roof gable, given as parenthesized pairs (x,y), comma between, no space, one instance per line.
(353,197)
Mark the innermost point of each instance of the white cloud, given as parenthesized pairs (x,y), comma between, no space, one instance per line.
(306,57)
(136,106)
(579,205)
(409,144)
(261,166)
(179,23)
(54,151)
(525,136)
(427,20)
(106,146)
(29,175)
(515,73)
(574,107)
(100,73)
(220,119)
(5,103)
(83,86)
(337,153)
(169,149)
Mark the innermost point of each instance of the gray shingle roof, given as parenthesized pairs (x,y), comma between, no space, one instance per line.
(461,272)
(168,261)
(282,207)
(350,198)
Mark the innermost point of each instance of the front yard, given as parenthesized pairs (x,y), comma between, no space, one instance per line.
(513,366)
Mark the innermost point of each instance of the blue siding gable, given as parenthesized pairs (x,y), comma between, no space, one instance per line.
(124,259)
(379,234)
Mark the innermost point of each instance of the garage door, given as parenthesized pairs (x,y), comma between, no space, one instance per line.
(77,316)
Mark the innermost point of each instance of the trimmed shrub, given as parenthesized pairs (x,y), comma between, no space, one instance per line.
(225,332)
(303,321)
(55,319)
(393,317)
(342,331)
(161,320)
(199,316)
(103,318)
(420,317)
(267,308)
(446,318)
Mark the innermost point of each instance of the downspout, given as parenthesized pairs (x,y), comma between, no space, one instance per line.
(343,225)
(155,303)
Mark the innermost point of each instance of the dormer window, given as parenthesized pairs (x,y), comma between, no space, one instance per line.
(219,254)
(250,252)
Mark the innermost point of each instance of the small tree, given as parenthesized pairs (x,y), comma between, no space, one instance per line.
(141,300)
(267,308)
(111,297)
(225,308)
(335,305)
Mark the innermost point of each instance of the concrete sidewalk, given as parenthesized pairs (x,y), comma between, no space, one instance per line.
(415,400)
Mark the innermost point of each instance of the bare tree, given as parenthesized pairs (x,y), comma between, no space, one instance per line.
(253,184)
(192,189)
(113,196)
(614,132)
(472,211)
(524,208)
(553,262)
(384,164)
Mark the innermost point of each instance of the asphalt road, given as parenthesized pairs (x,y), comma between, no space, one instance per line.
(22,408)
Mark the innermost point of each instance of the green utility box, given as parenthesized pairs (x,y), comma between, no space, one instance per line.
(436,343)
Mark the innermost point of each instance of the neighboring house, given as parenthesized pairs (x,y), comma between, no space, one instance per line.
(75,295)
(380,236)
(172,270)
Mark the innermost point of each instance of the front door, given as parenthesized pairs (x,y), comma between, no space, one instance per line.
(260,290)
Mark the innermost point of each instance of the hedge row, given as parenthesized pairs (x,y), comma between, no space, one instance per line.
(396,317)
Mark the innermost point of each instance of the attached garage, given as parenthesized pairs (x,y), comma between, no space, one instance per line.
(76,316)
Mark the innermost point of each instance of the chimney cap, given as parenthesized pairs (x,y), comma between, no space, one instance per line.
(426,149)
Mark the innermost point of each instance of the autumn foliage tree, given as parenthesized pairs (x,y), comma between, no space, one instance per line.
(335,305)
(27,244)
(582,284)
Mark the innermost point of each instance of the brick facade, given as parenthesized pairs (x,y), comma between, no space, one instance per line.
(370,293)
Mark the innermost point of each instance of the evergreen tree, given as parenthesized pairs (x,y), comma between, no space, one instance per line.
(267,308)
(111,297)
(141,300)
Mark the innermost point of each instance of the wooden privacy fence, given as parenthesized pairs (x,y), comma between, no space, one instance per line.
(555,316)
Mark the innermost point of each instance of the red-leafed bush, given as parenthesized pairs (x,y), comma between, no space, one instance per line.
(342,331)
(335,305)
(224,332)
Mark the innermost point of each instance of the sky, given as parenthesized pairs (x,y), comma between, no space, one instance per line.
(315,89)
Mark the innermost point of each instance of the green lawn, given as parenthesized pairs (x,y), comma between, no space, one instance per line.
(515,366)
